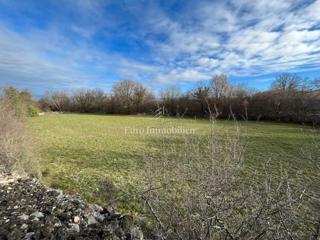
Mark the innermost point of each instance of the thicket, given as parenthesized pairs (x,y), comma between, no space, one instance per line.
(206,193)
(17,146)
(21,102)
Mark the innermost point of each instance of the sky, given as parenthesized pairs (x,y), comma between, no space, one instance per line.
(69,44)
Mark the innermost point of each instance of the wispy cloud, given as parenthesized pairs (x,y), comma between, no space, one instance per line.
(244,38)
(48,60)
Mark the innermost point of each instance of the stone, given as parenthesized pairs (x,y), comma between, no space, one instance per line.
(24,226)
(92,220)
(57,225)
(136,233)
(98,216)
(29,236)
(97,208)
(76,219)
(24,217)
(50,214)
(37,215)
(74,227)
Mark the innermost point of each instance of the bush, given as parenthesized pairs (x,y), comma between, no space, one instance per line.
(33,111)
(16,145)
(210,195)
(22,102)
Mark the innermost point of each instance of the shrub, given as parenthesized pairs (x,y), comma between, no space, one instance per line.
(21,101)
(211,196)
(33,111)
(16,145)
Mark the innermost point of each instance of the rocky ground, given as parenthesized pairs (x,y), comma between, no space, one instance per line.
(28,210)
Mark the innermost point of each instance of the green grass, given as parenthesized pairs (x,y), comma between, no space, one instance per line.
(78,151)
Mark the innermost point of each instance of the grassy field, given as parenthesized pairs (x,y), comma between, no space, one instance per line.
(79,151)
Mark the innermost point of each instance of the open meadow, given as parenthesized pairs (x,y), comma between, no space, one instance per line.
(103,156)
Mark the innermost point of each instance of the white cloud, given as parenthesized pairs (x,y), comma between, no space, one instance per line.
(247,37)
(182,75)
(208,62)
(59,63)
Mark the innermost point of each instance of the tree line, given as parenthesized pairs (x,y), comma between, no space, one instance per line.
(290,99)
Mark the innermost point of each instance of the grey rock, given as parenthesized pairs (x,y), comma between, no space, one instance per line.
(98,216)
(57,225)
(37,215)
(56,216)
(97,208)
(24,217)
(92,220)
(136,233)
(28,236)
(74,227)
(24,226)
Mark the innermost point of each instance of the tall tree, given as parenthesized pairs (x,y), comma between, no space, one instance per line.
(130,96)
(58,100)
(170,100)
(287,83)
(220,87)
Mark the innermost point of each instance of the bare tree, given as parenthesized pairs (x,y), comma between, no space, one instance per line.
(220,87)
(221,92)
(287,83)
(131,97)
(170,100)
(83,100)
(142,98)
(123,92)
(99,101)
(58,100)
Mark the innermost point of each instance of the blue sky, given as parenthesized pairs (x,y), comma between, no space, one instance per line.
(70,44)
